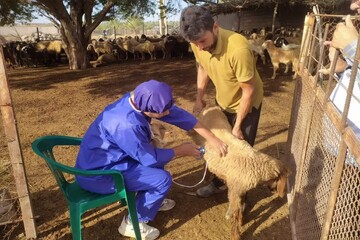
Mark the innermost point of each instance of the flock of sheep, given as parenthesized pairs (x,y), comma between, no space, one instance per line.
(283,47)
(102,52)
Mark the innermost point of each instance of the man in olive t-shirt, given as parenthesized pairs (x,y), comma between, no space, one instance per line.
(226,58)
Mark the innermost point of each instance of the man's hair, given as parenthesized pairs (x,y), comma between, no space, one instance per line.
(195,21)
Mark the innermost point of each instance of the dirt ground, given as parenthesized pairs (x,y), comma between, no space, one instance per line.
(50,101)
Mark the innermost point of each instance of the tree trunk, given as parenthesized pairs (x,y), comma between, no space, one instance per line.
(77,56)
(75,46)
(76,24)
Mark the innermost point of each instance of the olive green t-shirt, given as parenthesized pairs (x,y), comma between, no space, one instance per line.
(231,62)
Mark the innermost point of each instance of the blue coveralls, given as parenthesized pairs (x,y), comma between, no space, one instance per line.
(119,138)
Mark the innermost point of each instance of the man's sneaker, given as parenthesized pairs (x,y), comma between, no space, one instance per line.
(166,205)
(209,190)
(147,232)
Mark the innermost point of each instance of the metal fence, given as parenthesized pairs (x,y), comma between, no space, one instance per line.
(324,194)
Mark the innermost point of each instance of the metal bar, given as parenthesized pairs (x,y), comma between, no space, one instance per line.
(321,57)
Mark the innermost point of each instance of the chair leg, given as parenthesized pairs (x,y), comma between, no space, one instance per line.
(133,214)
(75,222)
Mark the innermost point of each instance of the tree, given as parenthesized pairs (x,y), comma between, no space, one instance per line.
(77,19)
(11,10)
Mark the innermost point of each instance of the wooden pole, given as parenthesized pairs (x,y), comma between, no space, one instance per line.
(38,34)
(274,18)
(12,136)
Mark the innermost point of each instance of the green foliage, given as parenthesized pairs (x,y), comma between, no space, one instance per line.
(11,10)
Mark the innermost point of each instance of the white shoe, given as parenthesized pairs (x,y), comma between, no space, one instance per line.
(167,205)
(147,232)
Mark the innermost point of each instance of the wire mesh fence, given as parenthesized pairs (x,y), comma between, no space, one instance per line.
(323,146)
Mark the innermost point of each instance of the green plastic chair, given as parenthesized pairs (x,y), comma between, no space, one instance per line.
(78,199)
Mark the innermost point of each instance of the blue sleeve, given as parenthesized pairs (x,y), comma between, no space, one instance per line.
(135,141)
(180,118)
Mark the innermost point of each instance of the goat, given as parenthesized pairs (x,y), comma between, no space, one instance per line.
(279,55)
(242,169)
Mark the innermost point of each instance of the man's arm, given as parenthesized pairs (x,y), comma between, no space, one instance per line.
(219,146)
(248,90)
(202,82)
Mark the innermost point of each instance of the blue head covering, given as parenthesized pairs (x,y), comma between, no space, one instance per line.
(153,96)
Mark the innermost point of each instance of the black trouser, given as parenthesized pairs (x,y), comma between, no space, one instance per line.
(249,128)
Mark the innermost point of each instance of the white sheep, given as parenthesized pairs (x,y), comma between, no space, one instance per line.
(242,169)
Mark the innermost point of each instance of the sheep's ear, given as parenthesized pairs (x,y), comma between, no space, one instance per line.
(281,184)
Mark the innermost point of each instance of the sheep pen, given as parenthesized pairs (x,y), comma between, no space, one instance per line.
(56,100)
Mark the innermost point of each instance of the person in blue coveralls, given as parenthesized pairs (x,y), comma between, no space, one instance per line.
(119,138)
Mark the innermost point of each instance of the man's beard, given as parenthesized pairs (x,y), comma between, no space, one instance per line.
(213,46)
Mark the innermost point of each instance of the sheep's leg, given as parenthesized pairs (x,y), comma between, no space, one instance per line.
(263,59)
(295,68)
(164,54)
(241,210)
(233,211)
(286,68)
(152,56)
(276,67)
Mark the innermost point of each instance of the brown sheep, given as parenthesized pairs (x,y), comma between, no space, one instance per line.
(104,59)
(242,169)
(146,47)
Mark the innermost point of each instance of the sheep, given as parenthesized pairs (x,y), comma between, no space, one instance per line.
(49,49)
(242,169)
(146,47)
(129,44)
(160,46)
(279,55)
(104,59)
(99,47)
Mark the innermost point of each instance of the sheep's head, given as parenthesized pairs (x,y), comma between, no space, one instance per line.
(278,183)
(268,44)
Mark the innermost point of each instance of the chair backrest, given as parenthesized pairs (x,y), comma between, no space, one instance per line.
(44,148)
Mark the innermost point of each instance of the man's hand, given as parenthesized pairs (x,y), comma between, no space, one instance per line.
(344,34)
(187,149)
(198,107)
(236,131)
(219,146)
